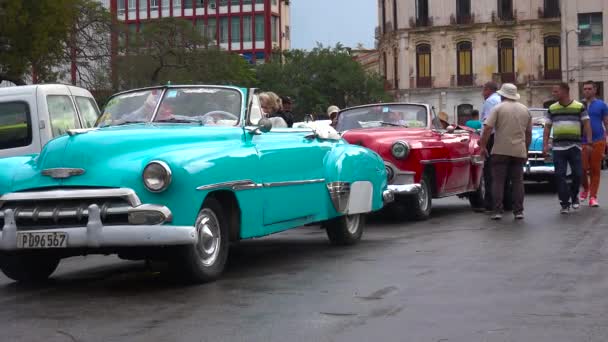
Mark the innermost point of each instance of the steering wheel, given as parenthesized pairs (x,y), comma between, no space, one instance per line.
(217,115)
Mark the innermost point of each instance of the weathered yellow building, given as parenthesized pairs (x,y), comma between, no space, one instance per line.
(442,51)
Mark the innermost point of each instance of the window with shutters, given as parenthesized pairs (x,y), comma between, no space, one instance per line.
(423,66)
(465,63)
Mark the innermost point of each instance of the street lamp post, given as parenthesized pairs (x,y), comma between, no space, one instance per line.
(577,31)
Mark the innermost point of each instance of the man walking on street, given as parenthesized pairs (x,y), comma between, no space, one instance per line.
(512,123)
(568,118)
(491,100)
(592,158)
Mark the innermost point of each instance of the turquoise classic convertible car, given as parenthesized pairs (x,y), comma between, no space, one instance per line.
(178,173)
(539,167)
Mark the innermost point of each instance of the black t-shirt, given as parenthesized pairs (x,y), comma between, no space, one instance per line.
(285,115)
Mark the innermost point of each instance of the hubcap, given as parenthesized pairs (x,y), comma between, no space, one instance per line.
(209,237)
(423,200)
(352,223)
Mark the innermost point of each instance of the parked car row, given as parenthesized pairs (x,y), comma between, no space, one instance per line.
(177,173)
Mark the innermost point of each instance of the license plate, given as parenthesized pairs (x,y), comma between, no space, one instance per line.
(42,240)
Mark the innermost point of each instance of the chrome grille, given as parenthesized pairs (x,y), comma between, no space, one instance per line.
(537,158)
(67,207)
(65,213)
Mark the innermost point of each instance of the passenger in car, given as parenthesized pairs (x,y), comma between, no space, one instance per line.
(332,112)
(271,106)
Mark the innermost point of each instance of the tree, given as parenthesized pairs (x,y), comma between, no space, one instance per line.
(89,46)
(44,37)
(319,78)
(173,50)
(32,33)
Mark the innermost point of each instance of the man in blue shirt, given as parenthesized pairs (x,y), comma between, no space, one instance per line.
(492,99)
(592,158)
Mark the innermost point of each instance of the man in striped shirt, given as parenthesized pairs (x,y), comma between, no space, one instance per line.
(568,118)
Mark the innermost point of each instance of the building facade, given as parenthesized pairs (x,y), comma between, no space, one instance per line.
(441,52)
(369,59)
(585,44)
(252,28)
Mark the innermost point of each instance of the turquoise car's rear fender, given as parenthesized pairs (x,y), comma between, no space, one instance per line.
(351,163)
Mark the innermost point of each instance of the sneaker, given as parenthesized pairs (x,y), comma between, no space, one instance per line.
(519,216)
(576,205)
(593,202)
(496,217)
(584,195)
(565,210)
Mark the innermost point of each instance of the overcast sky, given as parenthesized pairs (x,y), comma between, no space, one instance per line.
(330,21)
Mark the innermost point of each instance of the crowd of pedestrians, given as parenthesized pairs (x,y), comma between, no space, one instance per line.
(574,133)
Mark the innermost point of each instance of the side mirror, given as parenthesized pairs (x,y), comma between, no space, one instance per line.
(264,125)
(450,129)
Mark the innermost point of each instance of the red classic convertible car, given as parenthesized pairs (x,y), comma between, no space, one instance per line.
(419,154)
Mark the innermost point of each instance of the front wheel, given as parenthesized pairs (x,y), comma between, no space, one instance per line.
(205,261)
(345,230)
(419,207)
(28,268)
(477,198)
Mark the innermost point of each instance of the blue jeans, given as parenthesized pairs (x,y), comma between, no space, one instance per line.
(568,193)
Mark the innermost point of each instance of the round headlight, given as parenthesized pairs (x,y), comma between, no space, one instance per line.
(400,150)
(157,176)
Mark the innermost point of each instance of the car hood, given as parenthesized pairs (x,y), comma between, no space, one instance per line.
(113,156)
(373,138)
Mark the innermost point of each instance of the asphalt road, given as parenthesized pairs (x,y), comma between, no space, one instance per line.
(456,277)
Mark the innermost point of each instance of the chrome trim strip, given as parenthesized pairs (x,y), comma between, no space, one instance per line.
(125,193)
(62,172)
(234,185)
(288,183)
(249,184)
(437,161)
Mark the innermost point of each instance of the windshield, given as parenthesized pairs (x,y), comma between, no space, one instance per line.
(538,116)
(393,115)
(202,105)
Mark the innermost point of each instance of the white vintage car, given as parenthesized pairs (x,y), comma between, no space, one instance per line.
(32,115)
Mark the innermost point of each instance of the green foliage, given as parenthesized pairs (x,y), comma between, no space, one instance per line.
(32,33)
(173,50)
(319,78)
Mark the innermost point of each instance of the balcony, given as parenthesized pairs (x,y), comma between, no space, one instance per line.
(421,22)
(553,75)
(507,77)
(424,82)
(465,80)
(507,16)
(467,19)
(549,12)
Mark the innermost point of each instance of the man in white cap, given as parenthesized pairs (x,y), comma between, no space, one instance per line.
(512,124)
(332,112)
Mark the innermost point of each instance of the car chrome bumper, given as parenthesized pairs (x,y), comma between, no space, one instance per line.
(96,235)
(399,190)
(539,170)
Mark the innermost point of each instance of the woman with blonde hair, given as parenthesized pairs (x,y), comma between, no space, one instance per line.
(270,103)
(271,107)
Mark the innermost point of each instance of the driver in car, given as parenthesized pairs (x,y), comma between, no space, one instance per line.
(395,118)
